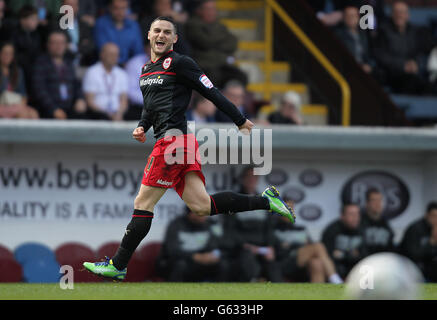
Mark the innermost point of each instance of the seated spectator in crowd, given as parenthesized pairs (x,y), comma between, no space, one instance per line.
(13,101)
(7,22)
(289,110)
(329,12)
(81,46)
(163,8)
(190,251)
(299,258)
(88,12)
(105,86)
(213,45)
(117,28)
(55,86)
(255,232)
(203,110)
(378,235)
(420,243)
(48,10)
(344,240)
(28,39)
(398,51)
(135,96)
(235,92)
(355,39)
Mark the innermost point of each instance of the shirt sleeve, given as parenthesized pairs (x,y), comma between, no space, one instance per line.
(190,74)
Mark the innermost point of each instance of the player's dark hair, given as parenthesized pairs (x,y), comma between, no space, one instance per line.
(431,206)
(27,11)
(371,191)
(166,18)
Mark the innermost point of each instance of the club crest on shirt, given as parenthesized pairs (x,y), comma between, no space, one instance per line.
(166,64)
(205,81)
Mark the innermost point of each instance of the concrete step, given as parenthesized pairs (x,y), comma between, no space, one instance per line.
(244,29)
(280,71)
(312,114)
(251,50)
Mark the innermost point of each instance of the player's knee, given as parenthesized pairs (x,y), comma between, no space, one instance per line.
(142,203)
(200,210)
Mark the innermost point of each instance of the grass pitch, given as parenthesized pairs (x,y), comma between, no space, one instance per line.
(182,291)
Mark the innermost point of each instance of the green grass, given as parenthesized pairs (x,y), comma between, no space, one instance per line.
(182,291)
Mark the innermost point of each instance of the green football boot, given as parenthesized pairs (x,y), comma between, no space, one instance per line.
(278,205)
(106,269)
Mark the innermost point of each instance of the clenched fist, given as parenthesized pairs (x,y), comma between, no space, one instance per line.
(139,134)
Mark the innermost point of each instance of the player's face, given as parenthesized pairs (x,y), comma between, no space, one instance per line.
(432,217)
(162,36)
(375,204)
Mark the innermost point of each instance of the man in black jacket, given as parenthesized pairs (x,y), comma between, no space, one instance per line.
(191,251)
(420,243)
(344,240)
(378,235)
(398,51)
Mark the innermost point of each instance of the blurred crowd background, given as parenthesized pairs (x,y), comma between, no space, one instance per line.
(92,70)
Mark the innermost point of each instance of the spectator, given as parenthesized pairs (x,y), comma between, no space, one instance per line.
(378,235)
(13,101)
(7,23)
(420,243)
(117,28)
(106,85)
(28,39)
(398,51)
(255,233)
(329,12)
(190,251)
(81,46)
(56,88)
(213,45)
(163,8)
(203,110)
(355,39)
(47,9)
(88,12)
(236,93)
(133,69)
(289,111)
(299,257)
(344,239)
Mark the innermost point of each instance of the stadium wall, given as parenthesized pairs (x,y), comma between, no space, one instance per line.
(76,181)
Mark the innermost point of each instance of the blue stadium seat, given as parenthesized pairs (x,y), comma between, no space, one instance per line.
(41,270)
(33,250)
(416,107)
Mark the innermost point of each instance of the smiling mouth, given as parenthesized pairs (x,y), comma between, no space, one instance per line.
(160,44)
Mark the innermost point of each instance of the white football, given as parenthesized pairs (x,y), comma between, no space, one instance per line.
(384,276)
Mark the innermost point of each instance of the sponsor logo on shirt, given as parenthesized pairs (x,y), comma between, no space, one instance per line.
(205,81)
(166,64)
(148,82)
(164,183)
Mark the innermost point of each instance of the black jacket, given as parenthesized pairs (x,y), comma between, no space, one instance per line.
(378,234)
(415,242)
(350,242)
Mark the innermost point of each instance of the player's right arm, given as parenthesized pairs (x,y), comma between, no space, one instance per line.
(145,123)
(193,76)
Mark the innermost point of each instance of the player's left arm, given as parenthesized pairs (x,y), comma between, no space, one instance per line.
(191,74)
